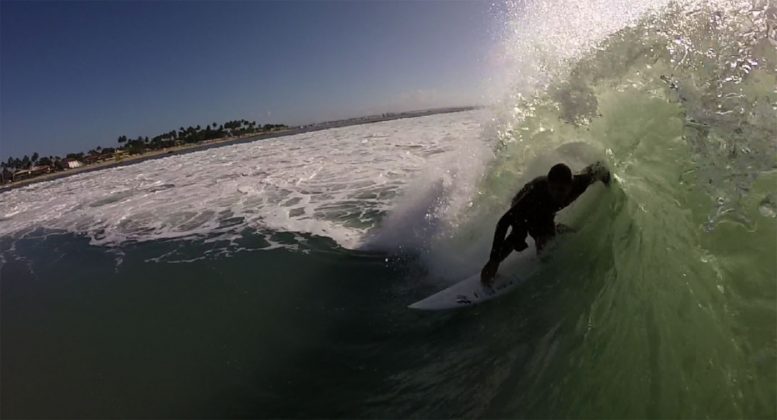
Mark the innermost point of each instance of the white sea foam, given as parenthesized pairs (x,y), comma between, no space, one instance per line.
(336,183)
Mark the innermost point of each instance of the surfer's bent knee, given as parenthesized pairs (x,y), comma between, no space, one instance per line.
(520,246)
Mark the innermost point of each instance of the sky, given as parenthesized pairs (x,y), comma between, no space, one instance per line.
(76,75)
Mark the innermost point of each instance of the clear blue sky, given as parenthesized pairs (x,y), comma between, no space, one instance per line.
(75,75)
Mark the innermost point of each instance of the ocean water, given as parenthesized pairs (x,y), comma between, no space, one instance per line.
(271,279)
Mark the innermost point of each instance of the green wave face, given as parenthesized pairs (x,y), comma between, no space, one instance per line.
(664,302)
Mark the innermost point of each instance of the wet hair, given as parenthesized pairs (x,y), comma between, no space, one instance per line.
(560,174)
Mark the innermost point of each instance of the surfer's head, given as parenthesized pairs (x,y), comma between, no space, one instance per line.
(559,182)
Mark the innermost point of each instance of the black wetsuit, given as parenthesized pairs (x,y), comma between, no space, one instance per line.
(533,211)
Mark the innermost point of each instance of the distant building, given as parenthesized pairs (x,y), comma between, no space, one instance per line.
(72,164)
(40,170)
(20,174)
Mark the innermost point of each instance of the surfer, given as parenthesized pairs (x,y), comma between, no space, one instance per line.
(534,208)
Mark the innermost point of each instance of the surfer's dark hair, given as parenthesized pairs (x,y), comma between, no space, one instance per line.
(560,174)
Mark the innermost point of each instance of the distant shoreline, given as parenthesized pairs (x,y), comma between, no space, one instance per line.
(181,150)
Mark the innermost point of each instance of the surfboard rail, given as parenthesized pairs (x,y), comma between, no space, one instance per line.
(468,292)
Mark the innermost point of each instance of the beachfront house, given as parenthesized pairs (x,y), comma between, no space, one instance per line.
(33,171)
(92,159)
(73,163)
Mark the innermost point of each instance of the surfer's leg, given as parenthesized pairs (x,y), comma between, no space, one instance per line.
(515,241)
(519,245)
(503,252)
(511,243)
(542,234)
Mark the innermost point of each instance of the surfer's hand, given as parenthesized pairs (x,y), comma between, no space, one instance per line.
(488,273)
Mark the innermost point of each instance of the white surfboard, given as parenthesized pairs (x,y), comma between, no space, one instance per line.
(468,292)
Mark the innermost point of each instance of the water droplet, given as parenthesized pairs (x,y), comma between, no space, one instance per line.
(767,207)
